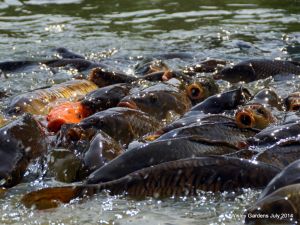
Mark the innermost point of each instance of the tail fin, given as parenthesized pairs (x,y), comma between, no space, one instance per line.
(50,197)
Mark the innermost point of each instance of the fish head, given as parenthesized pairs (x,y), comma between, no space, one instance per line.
(157,103)
(201,89)
(239,72)
(254,116)
(292,102)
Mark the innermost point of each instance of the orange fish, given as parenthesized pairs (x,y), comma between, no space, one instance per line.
(67,112)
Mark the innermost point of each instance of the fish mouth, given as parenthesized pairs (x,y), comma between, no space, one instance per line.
(295,105)
(245,119)
(128,104)
(195,91)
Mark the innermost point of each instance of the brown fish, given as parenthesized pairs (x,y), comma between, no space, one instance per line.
(254,116)
(201,88)
(157,152)
(122,124)
(176,178)
(292,102)
(256,69)
(160,104)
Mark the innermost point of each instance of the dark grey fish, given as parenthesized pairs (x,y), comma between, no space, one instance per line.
(256,69)
(158,152)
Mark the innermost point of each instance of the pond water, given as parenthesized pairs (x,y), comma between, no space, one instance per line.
(118,33)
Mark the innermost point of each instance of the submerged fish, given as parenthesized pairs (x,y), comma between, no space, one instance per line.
(176,178)
(102,149)
(210,65)
(256,69)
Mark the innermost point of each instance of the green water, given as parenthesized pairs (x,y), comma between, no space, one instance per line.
(116,32)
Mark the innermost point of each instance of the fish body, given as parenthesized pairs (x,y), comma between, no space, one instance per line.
(122,124)
(256,69)
(38,101)
(158,152)
(106,97)
(176,178)
(227,132)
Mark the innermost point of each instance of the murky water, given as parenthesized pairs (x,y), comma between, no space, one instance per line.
(117,33)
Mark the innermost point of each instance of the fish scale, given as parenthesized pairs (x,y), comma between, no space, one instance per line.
(36,102)
(168,179)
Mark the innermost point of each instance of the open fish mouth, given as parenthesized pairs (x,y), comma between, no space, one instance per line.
(245,119)
(128,104)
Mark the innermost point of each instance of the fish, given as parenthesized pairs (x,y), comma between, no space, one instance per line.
(103,77)
(189,120)
(102,149)
(38,101)
(201,88)
(292,101)
(67,54)
(106,97)
(272,134)
(255,69)
(258,112)
(221,102)
(157,152)
(288,176)
(207,66)
(281,154)
(279,207)
(77,63)
(269,98)
(254,115)
(228,132)
(21,141)
(161,104)
(183,177)
(148,66)
(67,112)
(65,166)
(14,66)
(122,124)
